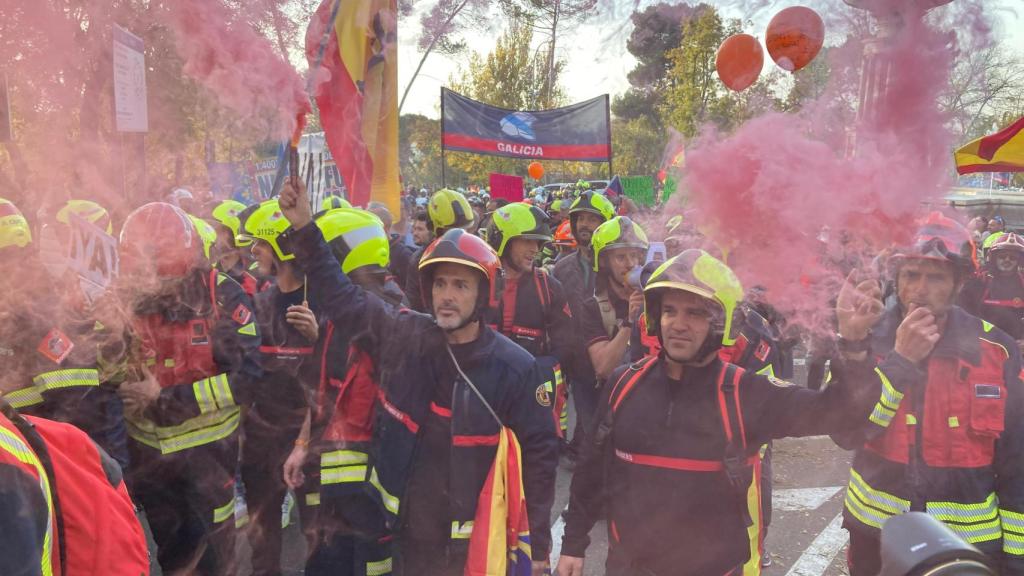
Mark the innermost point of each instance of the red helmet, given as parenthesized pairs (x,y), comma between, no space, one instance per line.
(160,238)
(460,247)
(1007,242)
(563,235)
(942,238)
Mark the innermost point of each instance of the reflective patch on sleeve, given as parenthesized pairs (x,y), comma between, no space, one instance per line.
(248,330)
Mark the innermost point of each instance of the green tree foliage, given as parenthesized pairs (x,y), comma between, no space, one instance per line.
(419,153)
(638,144)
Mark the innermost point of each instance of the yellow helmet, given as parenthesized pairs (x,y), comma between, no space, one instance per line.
(227,214)
(449,209)
(619,232)
(206,233)
(699,273)
(334,201)
(356,237)
(518,220)
(14,228)
(265,221)
(87,210)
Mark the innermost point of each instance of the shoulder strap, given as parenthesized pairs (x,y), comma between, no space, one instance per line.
(543,292)
(213,294)
(607,313)
(735,463)
(623,386)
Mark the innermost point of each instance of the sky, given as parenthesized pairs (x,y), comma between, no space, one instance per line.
(596,55)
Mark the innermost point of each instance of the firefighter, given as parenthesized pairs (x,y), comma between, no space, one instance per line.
(997,294)
(447,209)
(336,435)
(55,365)
(231,252)
(289,332)
(64,507)
(399,251)
(533,311)
(947,436)
(193,360)
(677,435)
(448,385)
(332,201)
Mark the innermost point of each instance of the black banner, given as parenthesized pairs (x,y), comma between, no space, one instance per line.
(577,132)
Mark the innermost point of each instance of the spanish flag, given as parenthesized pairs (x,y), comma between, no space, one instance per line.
(999,152)
(356,89)
(500,544)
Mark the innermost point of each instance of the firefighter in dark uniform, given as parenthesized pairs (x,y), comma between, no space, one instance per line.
(447,209)
(194,355)
(576,273)
(947,435)
(53,354)
(332,499)
(607,318)
(533,311)
(677,435)
(289,332)
(997,294)
(230,252)
(448,383)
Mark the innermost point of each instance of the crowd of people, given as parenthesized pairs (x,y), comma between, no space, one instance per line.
(405,380)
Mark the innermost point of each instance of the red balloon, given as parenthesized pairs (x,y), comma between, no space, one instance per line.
(535,170)
(739,61)
(794,37)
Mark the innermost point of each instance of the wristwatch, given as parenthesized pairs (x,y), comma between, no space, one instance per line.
(853,346)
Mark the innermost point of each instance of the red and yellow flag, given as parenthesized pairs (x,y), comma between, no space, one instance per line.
(500,544)
(356,89)
(999,152)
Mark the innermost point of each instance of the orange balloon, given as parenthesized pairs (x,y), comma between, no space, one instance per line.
(794,37)
(535,170)
(739,61)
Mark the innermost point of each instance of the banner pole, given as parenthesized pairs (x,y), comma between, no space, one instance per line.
(443,163)
(608,117)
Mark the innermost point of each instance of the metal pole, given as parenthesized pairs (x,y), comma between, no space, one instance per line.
(608,119)
(443,164)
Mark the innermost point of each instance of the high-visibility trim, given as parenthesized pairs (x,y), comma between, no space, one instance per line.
(343,458)
(202,429)
(222,391)
(24,397)
(168,363)
(462,531)
(391,503)
(876,498)
(864,513)
(686,464)
(224,512)
(313,499)
(221,278)
(398,414)
(470,441)
(343,475)
(965,513)
(248,330)
(204,396)
(1013,521)
(20,451)
(67,378)
(379,567)
(975,533)
(1013,545)
(881,415)
(911,420)
(987,326)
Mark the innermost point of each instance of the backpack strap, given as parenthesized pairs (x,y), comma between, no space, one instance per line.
(608,317)
(540,277)
(623,386)
(737,467)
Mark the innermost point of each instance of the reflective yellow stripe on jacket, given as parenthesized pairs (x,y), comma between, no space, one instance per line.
(1013,531)
(887,405)
(976,522)
(870,506)
(341,466)
(13,445)
(218,418)
(24,397)
(67,378)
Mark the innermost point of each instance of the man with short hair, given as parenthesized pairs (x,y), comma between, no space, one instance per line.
(450,387)
(947,435)
(677,435)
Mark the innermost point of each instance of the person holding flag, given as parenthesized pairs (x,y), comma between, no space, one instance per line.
(450,387)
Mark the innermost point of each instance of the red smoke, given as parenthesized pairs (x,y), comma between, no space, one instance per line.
(767,191)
